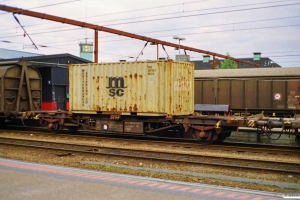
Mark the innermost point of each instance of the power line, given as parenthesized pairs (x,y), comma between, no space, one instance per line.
(216,8)
(159,31)
(129,11)
(47,5)
(54,4)
(247,9)
(292,61)
(202,14)
(218,31)
(269,52)
(171,13)
(151,8)
(286,56)
(231,30)
(252,21)
(224,24)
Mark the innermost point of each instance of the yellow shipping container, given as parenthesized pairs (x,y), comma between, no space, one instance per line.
(142,88)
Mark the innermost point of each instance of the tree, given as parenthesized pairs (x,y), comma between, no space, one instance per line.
(228,64)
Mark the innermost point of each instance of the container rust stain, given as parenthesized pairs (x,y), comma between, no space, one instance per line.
(135,108)
(98,108)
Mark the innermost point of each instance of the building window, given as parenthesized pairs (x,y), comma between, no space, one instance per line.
(256,56)
(206,59)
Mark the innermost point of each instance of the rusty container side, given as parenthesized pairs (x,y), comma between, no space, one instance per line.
(20,86)
(145,88)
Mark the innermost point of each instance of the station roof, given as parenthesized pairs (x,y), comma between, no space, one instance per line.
(6,54)
(41,60)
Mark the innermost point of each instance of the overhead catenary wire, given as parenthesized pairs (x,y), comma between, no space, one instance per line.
(206,32)
(201,14)
(190,34)
(129,11)
(25,32)
(235,30)
(208,9)
(172,13)
(206,26)
(244,29)
(54,4)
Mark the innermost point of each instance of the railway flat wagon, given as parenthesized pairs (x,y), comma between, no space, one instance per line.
(274,91)
(134,97)
(151,98)
(20,86)
(136,94)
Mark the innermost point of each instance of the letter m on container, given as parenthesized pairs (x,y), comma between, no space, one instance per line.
(116,86)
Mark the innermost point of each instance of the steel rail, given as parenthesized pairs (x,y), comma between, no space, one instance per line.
(113,31)
(216,161)
(253,148)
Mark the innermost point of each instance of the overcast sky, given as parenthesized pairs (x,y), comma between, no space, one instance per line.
(237,27)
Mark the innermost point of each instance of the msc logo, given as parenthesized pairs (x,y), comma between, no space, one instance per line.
(116,86)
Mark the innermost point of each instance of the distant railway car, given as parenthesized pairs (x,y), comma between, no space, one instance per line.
(274,91)
(20,86)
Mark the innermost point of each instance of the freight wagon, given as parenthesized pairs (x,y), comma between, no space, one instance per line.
(31,86)
(273,91)
(20,86)
(152,98)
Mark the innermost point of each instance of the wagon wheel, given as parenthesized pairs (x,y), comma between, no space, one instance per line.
(54,127)
(211,136)
(222,136)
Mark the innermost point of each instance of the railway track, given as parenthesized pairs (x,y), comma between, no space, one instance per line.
(226,146)
(275,167)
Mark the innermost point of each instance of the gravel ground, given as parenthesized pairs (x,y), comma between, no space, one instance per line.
(51,157)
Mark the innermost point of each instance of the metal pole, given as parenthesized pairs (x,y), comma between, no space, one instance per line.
(96,47)
(179,47)
(157,51)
